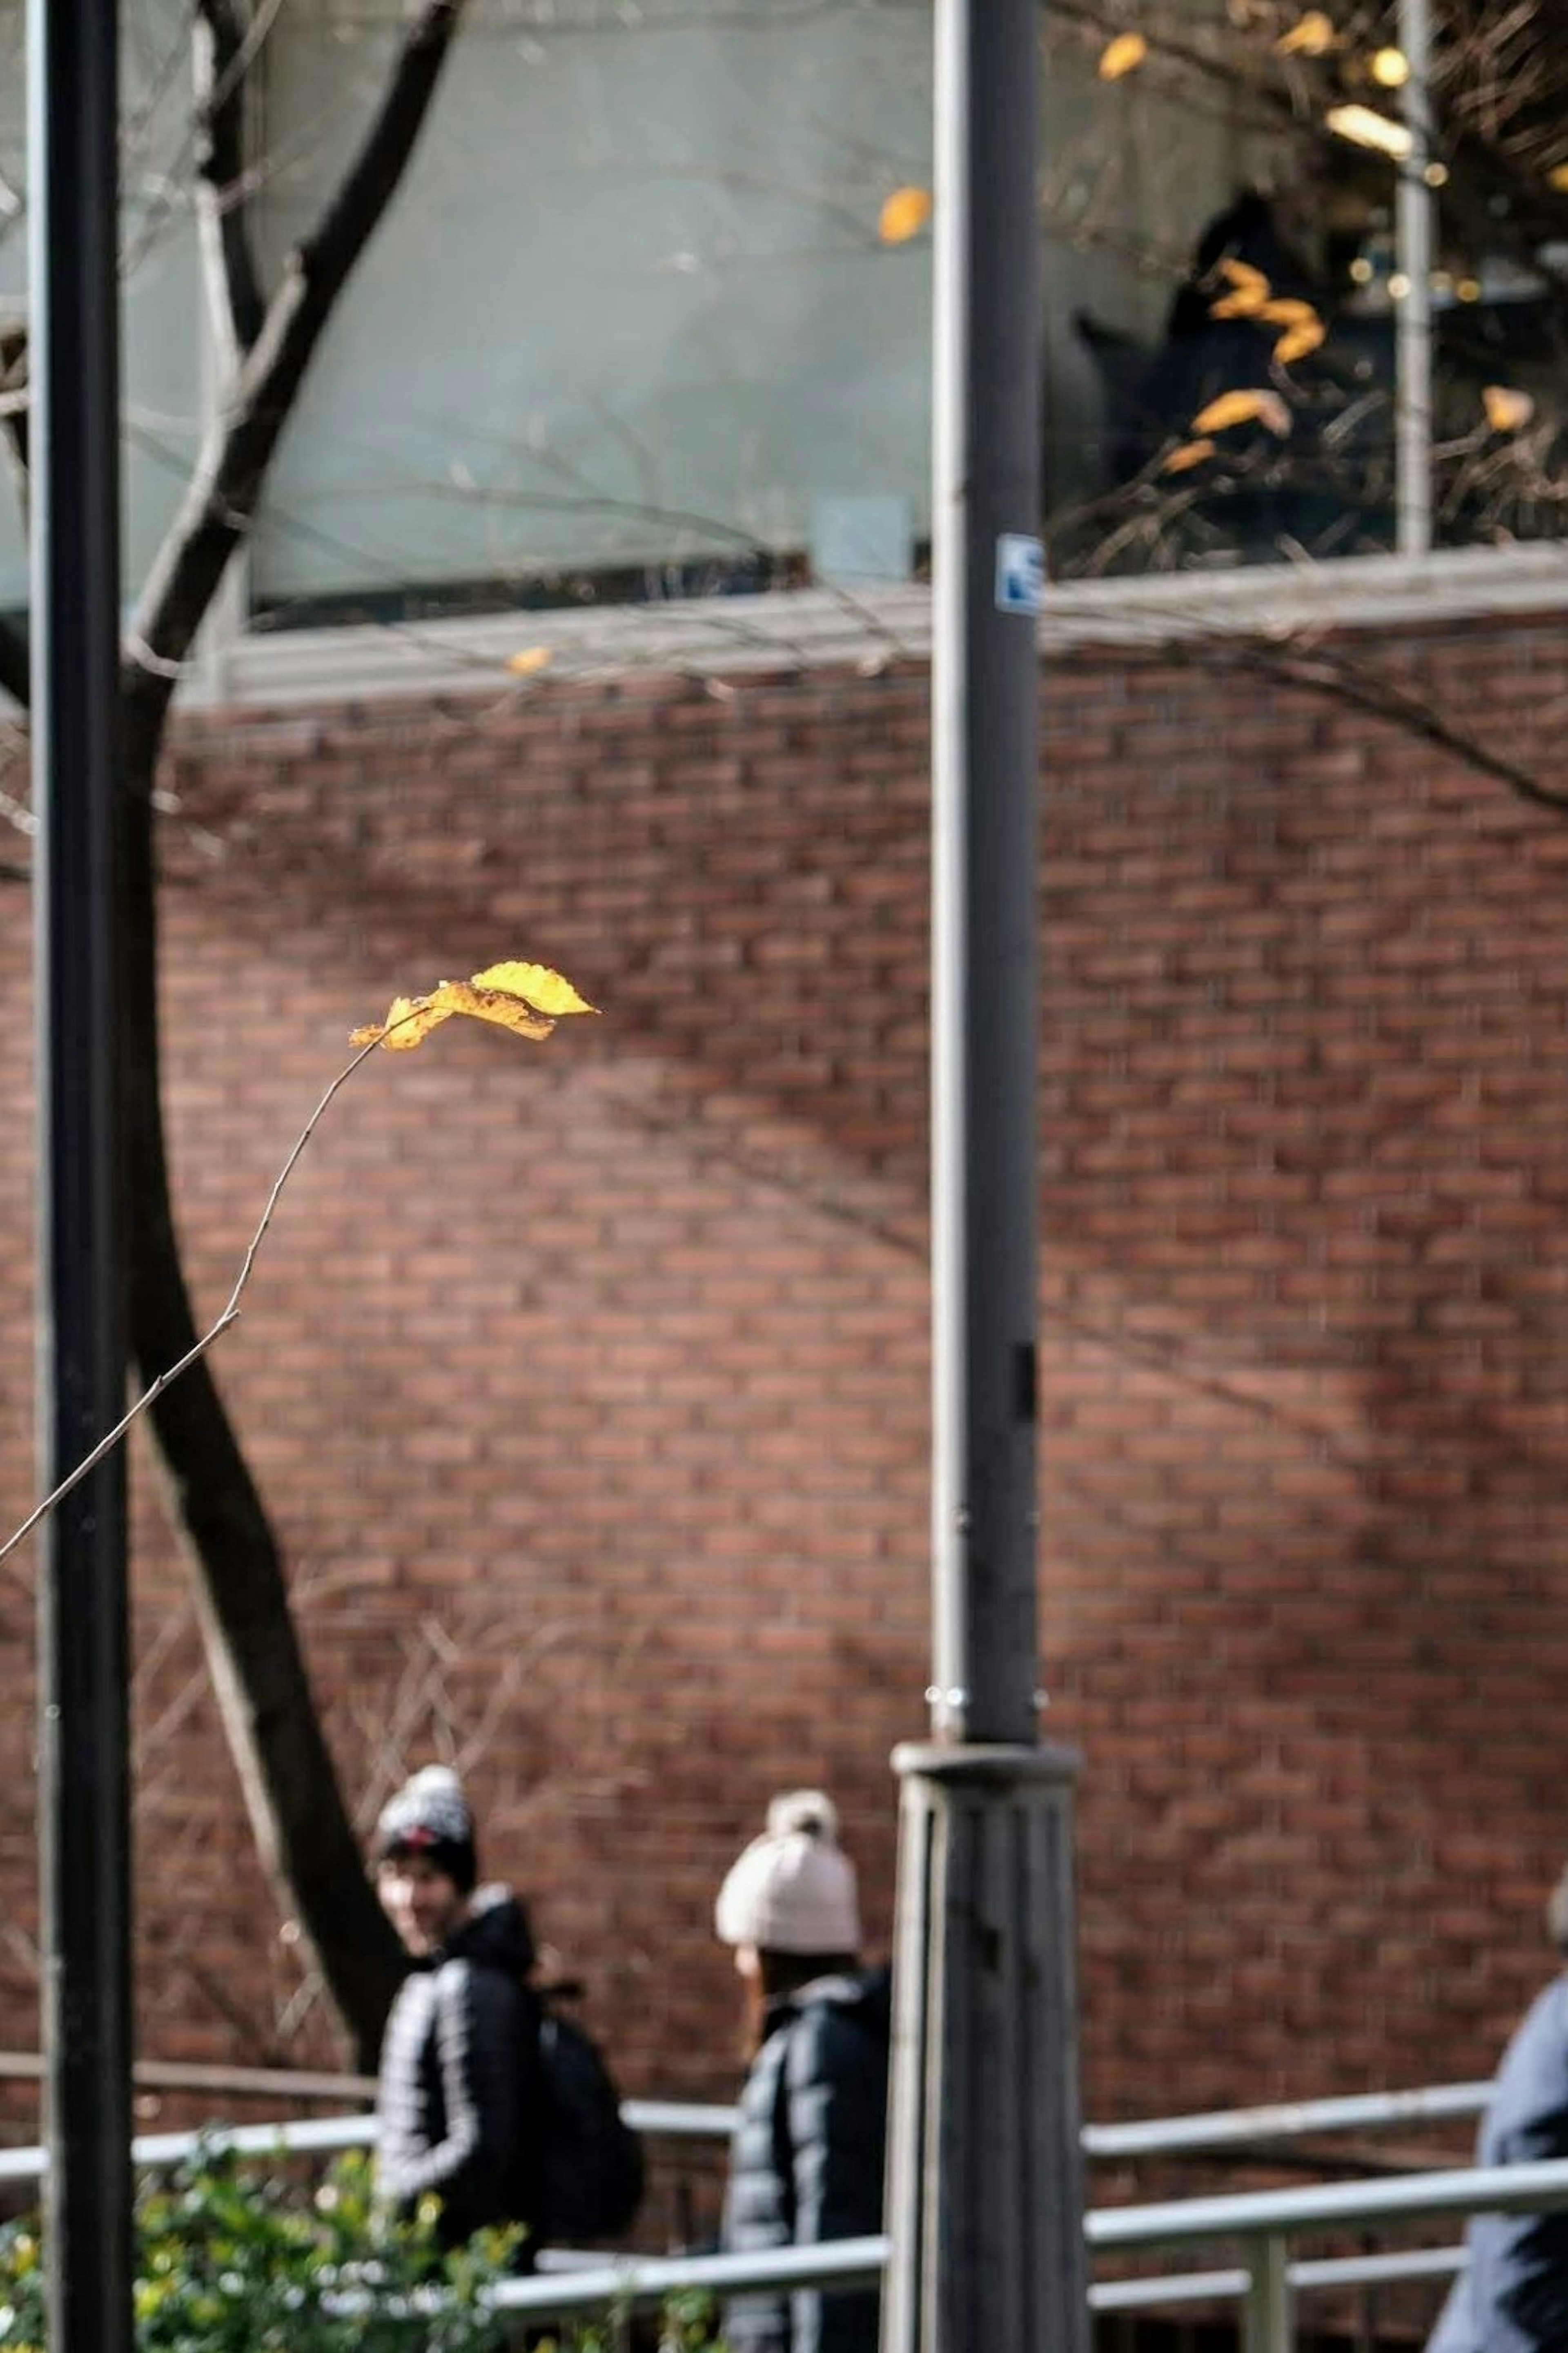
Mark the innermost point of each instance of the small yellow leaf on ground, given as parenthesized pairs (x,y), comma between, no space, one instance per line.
(1257,406)
(1507,411)
(529,661)
(904,216)
(1311,35)
(1190,454)
(1123,56)
(1390,69)
(1248,290)
(1557,178)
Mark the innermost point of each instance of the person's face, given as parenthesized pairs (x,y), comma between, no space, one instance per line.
(424,1903)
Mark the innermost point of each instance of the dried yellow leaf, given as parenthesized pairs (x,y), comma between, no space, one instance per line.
(1248,290)
(904,214)
(1258,407)
(493,1004)
(1123,56)
(547,991)
(526,997)
(1288,310)
(529,661)
(1364,127)
(1557,178)
(1508,410)
(1296,341)
(1190,454)
(409,1019)
(1311,35)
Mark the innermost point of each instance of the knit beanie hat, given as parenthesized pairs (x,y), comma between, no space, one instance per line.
(429,1816)
(793,1890)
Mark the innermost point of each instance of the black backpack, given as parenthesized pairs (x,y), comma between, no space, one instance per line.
(590,2160)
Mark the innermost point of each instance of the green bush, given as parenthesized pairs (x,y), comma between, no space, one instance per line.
(233,2259)
(239,2261)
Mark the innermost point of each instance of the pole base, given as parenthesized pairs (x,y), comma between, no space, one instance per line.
(985,2163)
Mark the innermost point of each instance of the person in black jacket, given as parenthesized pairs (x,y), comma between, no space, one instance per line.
(1513,2296)
(806,2161)
(456,2095)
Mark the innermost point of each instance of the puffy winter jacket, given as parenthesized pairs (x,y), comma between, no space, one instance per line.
(1513,2297)
(806,2162)
(457,2096)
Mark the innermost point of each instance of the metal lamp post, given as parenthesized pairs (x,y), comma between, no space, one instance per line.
(985,2196)
(84,1839)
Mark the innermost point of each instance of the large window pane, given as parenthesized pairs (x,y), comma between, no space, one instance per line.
(631,328)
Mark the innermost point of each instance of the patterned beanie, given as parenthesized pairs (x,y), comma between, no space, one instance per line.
(793,1890)
(429,1816)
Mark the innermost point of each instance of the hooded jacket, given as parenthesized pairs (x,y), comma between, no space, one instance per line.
(806,2162)
(457,2096)
(1513,2297)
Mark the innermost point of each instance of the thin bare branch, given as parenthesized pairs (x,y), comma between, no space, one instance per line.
(229,1315)
(220,46)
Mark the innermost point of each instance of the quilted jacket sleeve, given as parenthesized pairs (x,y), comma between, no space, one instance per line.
(480,2022)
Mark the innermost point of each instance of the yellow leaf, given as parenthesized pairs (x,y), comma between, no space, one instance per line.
(1298,340)
(1364,127)
(1311,35)
(1507,411)
(1190,454)
(1390,69)
(526,997)
(496,1005)
(1557,178)
(1123,56)
(409,1019)
(546,991)
(1248,290)
(1260,407)
(1288,310)
(904,216)
(529,661)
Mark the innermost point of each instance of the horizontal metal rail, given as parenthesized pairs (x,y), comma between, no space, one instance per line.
(1243,2127)
(694,2120)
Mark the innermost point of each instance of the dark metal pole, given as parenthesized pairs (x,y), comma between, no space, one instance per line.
(84,1819)
(985,2196)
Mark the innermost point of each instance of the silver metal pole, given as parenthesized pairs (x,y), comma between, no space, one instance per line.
(1413,312)
(83,1749)
(985,2195)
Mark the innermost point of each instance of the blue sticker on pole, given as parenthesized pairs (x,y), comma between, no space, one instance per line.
(1020,573)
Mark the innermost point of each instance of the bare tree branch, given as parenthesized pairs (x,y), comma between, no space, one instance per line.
(1322,671)
(303,1830)
(220,60)
(221,504)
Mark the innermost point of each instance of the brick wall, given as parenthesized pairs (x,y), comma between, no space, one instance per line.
(587,1382)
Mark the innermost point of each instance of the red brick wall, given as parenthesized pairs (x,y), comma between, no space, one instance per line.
(587,1382)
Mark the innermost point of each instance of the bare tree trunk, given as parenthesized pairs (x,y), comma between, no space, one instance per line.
(301,1824)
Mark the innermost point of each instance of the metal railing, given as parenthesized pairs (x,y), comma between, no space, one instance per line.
(1266,2280)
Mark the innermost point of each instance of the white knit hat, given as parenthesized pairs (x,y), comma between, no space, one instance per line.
(793,1890)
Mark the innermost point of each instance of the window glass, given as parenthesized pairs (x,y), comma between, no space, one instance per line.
(634,326)
(161,324)
(1232,358)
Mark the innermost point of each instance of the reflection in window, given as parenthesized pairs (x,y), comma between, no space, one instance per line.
(1229,280)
